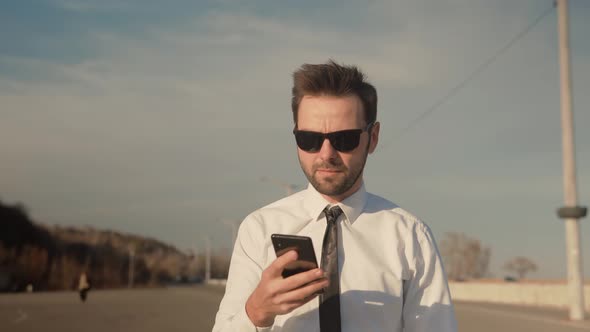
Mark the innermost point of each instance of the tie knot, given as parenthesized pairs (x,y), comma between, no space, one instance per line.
(332,214)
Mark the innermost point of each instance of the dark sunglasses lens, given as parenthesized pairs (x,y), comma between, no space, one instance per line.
(309,141)
(345,141)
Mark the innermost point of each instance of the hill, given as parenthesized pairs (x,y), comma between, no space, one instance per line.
(52,257)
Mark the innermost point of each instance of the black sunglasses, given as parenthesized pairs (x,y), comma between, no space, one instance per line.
(343,140)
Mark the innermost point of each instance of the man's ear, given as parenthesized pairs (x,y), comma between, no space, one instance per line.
(374,136)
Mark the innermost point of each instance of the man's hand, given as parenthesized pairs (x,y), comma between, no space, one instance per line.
(277,296)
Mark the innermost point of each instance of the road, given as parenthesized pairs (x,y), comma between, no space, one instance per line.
(193,309)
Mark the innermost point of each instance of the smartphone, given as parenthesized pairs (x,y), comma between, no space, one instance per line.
(306,259)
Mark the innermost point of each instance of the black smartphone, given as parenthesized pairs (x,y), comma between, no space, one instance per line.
(306,259)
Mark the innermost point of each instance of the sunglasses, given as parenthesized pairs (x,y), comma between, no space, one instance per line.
(343,140)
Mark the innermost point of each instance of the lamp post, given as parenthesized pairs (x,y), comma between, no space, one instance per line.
(571,212)
(207,260)
(131,271)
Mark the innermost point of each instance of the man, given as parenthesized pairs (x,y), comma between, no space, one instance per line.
(380,267)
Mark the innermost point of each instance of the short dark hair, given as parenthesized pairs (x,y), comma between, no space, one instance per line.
(336,80)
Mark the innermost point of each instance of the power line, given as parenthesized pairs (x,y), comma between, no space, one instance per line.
(481,68)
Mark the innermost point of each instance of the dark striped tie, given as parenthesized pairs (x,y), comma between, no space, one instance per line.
(330,298)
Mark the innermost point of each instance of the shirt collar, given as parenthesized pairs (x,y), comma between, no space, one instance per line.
(352,206)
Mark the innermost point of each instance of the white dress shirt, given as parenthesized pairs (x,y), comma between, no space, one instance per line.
(391,274)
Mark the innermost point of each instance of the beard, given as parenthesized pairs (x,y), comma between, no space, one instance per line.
(340,182)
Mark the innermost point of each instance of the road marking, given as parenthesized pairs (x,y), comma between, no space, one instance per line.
(22,316)
(579,325)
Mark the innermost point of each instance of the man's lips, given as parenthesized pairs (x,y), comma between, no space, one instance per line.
(328,170)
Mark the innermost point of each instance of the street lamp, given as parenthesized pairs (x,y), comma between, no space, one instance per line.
(571,212)
(130,273)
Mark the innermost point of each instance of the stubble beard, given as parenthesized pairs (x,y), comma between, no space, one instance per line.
(335,185)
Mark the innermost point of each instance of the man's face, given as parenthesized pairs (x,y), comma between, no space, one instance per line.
(334,174)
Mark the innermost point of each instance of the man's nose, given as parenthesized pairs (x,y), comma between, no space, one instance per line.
(327,151)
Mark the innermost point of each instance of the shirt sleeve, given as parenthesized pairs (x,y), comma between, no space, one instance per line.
(427,300)
(244,274)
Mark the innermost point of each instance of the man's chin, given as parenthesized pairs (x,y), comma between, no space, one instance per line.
(328,188)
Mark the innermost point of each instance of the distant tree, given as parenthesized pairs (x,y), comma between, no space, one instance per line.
(521,266)
(52,257)
(464,257)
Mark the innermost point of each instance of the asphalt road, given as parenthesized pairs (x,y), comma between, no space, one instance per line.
(193,309)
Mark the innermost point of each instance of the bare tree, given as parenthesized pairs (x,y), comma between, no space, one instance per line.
(464,257)
(521,266)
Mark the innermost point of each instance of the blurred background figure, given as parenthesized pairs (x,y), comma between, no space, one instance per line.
(83,286)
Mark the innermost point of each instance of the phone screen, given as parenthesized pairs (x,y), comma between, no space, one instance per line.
(306,259)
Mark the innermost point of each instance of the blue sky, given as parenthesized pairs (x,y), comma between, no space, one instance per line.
(161,119)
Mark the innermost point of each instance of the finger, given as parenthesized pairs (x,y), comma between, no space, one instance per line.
(301,279)
(303,294)
(276,268)
(309,298)
(286,308)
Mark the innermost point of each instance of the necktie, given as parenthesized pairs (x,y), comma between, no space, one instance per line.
(330,298)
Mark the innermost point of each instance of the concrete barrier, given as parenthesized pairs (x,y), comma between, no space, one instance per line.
(217,282)
(540,294)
